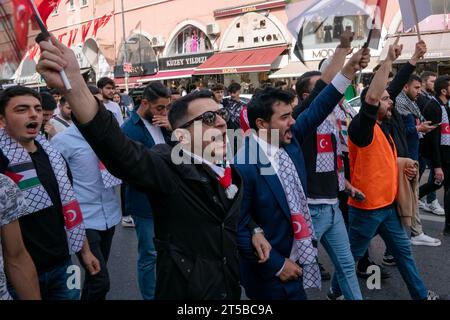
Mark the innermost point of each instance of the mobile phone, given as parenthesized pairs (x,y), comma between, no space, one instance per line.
(358,196)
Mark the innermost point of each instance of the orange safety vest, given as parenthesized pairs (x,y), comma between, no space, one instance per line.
(374,171)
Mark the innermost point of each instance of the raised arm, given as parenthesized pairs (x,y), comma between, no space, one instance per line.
(362,126)
(124,158)
(400,80)
(324,104)
(334,65)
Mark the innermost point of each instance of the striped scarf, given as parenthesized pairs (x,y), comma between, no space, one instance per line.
(22,171)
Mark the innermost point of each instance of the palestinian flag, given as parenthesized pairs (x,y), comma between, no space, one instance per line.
(24,175)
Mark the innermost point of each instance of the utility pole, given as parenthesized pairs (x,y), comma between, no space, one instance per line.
(125,50)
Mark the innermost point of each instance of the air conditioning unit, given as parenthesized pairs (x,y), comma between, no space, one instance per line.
(158,41)
(212,29)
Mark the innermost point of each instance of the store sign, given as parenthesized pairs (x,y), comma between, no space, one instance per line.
(184,62)
(136,70)
(277,4)
(229,70)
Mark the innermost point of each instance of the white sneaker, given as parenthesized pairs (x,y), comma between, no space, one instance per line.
(424,206)
(424,240)
(435,208)
(128,222)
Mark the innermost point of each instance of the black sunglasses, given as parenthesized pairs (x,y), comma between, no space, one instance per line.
(209,118)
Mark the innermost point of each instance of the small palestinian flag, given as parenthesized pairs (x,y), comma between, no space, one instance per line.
(24,175)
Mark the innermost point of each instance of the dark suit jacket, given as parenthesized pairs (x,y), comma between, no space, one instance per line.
(137,202)
(265,202)
(195,226)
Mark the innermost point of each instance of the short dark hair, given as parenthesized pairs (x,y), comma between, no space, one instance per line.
(93,89)
(63,101)
(427,74)
(280,84)
(217,87)
(178,111)
(55,91)
(234,87)
(261,105)
(48,102)
(441,83)
(413,78)
(103,82)
(304,85)
(13,92)
(156,90)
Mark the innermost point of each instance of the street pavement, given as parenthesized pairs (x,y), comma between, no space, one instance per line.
(432,262)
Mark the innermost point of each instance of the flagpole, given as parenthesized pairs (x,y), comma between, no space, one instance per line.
(46,34)
(416,18)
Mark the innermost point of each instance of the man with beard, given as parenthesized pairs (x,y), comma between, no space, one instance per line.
(426,95)
(149,126)
(437,144)
(272,166)
(374,171)
(107,88)
(61,121)
(416,128)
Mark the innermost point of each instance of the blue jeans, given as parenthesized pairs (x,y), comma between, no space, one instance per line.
(330,230)
(146,264)
(364,225)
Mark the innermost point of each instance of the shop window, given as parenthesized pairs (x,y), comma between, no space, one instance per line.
(190,40)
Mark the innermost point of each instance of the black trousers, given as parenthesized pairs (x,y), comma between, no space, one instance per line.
(96,287)
(430,187)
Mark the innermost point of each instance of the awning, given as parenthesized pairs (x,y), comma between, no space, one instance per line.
(295,69)
(255,60)
(438,46)
(168,75)
(132,82)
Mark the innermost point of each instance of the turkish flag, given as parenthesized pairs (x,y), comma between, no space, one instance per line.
(22,14)
(301,229)
(445,128)
(324,143)
(72,214)
(380,12)
(46,7)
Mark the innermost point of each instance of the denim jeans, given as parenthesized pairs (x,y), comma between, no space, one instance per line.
(364,225)
(330,230)
(146,265)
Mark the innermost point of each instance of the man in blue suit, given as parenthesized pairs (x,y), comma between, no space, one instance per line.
(148,125)
(272,167)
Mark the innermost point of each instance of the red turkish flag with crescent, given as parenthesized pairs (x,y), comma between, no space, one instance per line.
(301,229)
(324,143)
(72,215)
(46,7)
(445,128)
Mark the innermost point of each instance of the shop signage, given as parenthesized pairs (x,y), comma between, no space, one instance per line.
(229,70)
(183,62)
(136,70)
(252,8)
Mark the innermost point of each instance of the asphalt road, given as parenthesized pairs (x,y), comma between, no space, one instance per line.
(432,262)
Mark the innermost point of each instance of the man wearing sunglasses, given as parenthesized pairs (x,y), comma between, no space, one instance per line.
(195,204)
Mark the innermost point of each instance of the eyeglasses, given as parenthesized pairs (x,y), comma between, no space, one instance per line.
(209,118)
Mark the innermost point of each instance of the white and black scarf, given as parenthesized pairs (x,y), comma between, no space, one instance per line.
(21,170)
